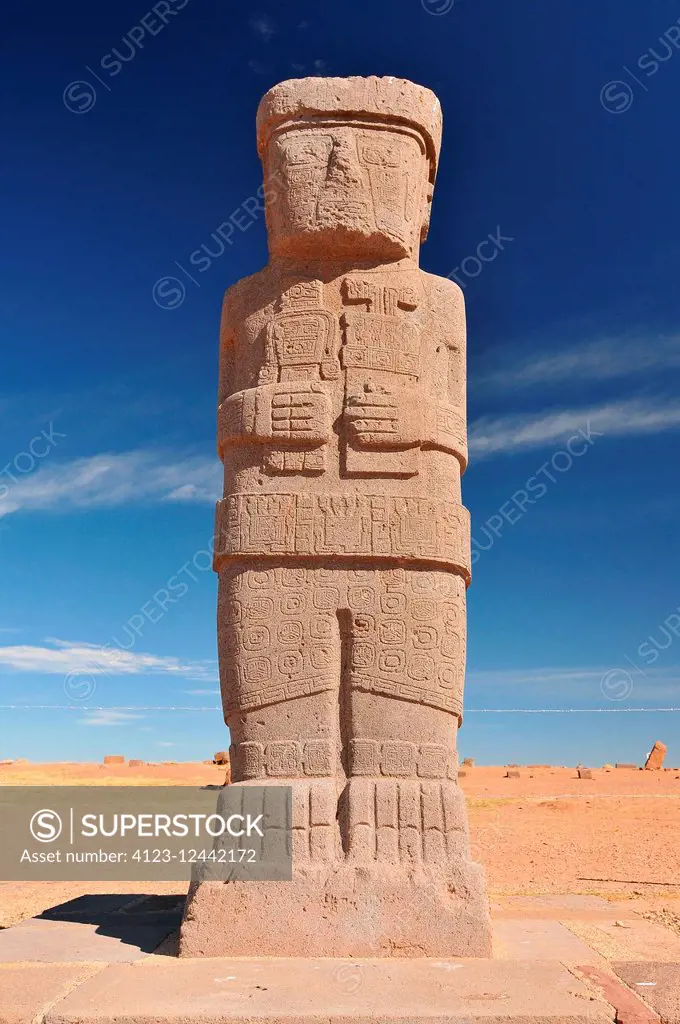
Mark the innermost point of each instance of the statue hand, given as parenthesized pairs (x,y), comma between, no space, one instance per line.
(378,418)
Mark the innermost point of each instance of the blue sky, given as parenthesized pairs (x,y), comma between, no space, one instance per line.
(129,141)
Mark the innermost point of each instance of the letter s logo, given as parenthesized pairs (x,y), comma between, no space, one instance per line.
(46,826)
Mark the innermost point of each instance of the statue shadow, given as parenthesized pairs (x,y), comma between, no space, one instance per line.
(141,921)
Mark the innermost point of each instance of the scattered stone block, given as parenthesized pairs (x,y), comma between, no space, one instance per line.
(629,767)
(584,773)
(656,756)
(135,763)
(462,774)
(469,762)
(114,759)
(512,773)
(221,757)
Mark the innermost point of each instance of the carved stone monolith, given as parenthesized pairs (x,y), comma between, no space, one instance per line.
(342,545)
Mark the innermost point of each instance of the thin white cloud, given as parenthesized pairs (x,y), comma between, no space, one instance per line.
(109,480)
(63,657)
(202,693)
(495,435)
(534,676)
(106,717)
(262,25)
(601,360)
(624,683)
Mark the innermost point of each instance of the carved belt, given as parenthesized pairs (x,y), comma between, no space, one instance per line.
(415,530)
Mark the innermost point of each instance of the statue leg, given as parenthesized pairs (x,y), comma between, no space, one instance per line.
(405,682)
(387,870)
(280,671)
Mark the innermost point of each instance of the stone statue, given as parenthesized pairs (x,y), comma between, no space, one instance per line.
(342,546)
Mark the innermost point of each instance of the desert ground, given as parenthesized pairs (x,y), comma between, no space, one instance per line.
(547,832)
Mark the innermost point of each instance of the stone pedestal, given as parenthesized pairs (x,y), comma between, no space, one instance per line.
(343,911)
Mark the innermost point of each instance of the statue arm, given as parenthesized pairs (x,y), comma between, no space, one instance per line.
(283,414)
(228,343)
(445,418)
(286,414)
(392,418)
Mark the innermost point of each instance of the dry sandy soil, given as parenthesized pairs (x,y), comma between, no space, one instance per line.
(617,835)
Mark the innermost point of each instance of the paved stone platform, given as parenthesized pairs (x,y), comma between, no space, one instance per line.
(101,959)
(629,941)
(27,991)
(93,928)
(310,991)
(658,984)
(518,939)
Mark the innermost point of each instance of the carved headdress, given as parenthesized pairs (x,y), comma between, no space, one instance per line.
(374,100)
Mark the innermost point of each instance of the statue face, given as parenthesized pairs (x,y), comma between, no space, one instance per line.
(336,190)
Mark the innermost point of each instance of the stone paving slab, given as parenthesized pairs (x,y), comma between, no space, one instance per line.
(523,939)
(558,907)
(111,929)
(629,1007)
(633,940)
(73,941)
(90,907)
(658,984)
(311,991)
(28,990)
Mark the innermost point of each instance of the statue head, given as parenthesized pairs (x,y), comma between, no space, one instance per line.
(349,166)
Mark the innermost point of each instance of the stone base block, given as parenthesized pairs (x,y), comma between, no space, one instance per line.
(309,991)
(343,910)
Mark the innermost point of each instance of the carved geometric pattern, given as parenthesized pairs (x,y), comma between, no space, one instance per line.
(317,758)
(410,692)
(280,636)
(405,820)
(314,819)
(398,759)
(282,759)
(381,343)
(370,526)
(294,462)
(302,339)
